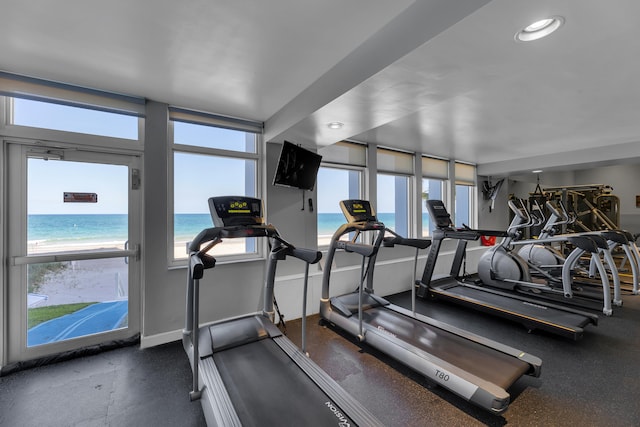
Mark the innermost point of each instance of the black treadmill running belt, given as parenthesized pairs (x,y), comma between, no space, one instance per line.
(532,310)
(268,389)
(484,362)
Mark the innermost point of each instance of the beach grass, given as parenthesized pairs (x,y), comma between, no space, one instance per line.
(38,272)
(42,314)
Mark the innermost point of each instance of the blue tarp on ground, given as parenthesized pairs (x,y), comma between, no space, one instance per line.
(96,318)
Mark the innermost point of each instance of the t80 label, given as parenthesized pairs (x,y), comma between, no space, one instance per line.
(454,383)
(441,375)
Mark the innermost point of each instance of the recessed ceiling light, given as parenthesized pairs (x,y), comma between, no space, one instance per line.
(539,29)
(335,125)
(537,171)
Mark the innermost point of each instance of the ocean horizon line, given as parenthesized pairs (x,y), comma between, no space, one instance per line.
(92,229)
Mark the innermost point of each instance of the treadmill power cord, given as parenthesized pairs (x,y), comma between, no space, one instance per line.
(281,323)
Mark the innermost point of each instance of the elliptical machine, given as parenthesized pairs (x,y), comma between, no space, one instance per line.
(503,268)
(545,256)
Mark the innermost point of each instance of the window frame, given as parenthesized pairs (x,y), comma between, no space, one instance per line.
(465,174)
(411,232)
(174,148)
(443,192)
(397,163)
(361,188)
(75,138)
(437,169)
(17,86)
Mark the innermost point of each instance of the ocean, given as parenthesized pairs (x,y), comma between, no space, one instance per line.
(80,229)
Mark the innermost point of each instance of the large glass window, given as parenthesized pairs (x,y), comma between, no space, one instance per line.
(393,202)
(394,199)
(333,185)
(44,105)
(339,178)
(465,210)
(204,165)
(66,118)
(213,137)
(463,207)
(432,189)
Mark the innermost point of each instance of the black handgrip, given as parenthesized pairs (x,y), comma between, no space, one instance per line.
(199,263)
(599,240)
(197,267)
(308,255)
(584,242)
(497,233)
(414,243)
(364,250)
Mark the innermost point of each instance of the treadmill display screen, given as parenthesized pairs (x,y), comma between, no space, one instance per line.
(358,211)
(235,210)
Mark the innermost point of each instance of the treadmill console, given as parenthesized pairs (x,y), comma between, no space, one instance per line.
(235,210)
(439,214)
(356,210)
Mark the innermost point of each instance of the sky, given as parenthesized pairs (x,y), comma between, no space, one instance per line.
(197,177)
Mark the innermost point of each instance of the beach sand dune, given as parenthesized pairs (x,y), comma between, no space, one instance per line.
(87,281)
(102,279)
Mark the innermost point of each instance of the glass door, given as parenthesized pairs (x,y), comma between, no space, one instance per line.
(73,249)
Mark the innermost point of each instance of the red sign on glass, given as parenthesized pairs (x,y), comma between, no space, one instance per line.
(80,197)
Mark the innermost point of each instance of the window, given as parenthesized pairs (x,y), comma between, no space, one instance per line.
(394,188)
(334,184)
(393,202)
(432,189)
(42,104)
(435,173)
(198,135)
(465,212)
(339,178)
(66,118)
(210,161)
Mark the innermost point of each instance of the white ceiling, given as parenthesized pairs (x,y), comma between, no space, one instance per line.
(435,76)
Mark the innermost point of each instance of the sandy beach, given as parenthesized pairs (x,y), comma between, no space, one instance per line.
(86,281)
(98,280)
(106,279)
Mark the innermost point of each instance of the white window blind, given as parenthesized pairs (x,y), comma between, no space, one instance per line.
(394,161)
(465,174)
(435,168)
(60,93)
(344,153)
(207,119)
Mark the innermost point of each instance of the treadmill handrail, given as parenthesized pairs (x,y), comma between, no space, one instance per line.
(402,241)
(199,260)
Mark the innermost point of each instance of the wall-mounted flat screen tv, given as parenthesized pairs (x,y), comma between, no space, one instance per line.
(297,167)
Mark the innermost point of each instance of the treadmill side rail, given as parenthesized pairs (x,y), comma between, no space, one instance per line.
(358,413)
(216,403)
(470,387)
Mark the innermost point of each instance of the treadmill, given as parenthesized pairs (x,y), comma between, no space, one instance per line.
(473,367)
(245,371)
(533,313)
